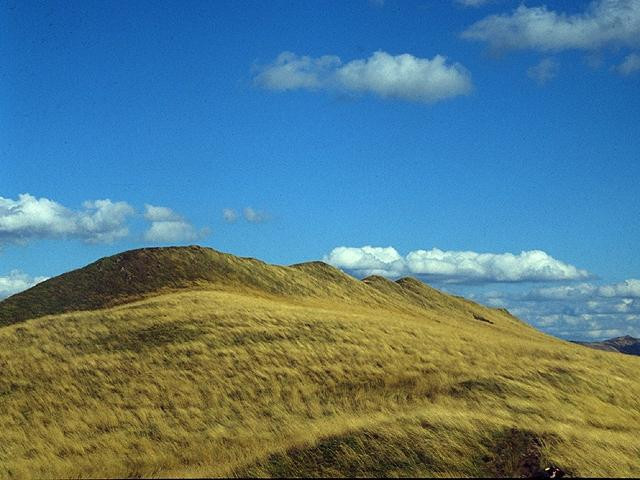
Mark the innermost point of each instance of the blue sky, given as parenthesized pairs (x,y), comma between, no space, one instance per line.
(460,134)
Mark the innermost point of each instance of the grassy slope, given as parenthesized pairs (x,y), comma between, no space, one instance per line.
(302,370)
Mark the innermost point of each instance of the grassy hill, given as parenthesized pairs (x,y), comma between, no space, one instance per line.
(136,274)
(191,362)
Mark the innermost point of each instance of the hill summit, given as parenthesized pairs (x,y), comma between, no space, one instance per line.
(135,274)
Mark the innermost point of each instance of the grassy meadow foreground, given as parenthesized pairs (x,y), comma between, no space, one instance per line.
(190,362)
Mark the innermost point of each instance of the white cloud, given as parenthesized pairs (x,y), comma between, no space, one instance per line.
(104,221)
(472,3)
(543,71)
(603,23)
(454,266)
(160,214)
(562,292)
(402,77)
(368,260)
(405,77)
(17,281)
(168,227)
(626,289)
(229,215)
(28,218)
(630,64)
(170,231)
(609,333)
(291,72)
(254,216)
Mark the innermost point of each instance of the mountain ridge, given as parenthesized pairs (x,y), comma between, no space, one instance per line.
(136,274)
(625,344)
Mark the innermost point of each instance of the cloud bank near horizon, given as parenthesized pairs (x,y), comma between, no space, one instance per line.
(454,266)
(403,77)
(582,311)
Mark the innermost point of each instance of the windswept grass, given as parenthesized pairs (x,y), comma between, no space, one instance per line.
(329,377)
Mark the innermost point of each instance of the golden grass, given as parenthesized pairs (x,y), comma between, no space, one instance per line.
(225,381)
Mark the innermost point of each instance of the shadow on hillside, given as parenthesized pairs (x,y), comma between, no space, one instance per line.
(506,453)
(515,453)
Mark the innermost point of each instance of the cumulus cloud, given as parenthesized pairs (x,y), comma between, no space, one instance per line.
(363,261)
(28,218)
(291,72)
(160,214)
(604,23)
(255,216)
(454,266)
(17,281)
(404,77)
(229,215)
(630,64)
(168,227)
(543,71)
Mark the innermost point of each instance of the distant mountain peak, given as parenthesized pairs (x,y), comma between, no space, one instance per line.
(625,344)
